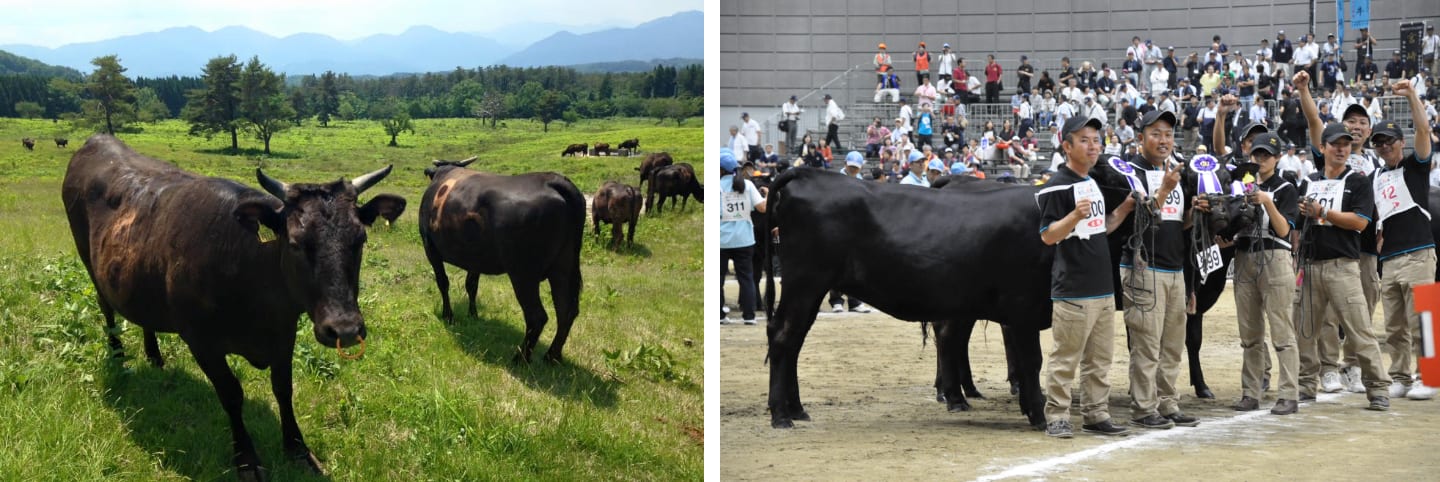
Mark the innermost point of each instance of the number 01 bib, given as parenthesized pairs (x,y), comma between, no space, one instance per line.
(1329,194)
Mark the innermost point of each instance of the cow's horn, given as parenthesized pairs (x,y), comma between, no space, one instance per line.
(364,182)
(272,186)
(467,161)
(438,162)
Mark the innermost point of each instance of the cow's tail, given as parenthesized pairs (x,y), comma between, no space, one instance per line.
(575,207)
(925,333)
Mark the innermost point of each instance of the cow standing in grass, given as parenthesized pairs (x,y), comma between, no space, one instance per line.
(573,150)
(671,181)
(528,226)
(175,252)
(652,163)
(602,149)
(631,144)
(29,143)
(617,204)
(61,142)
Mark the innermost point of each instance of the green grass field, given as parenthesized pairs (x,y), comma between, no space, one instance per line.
(427,401)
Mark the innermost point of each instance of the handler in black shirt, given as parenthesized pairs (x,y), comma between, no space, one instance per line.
(1265,283)
(1153,286)
(1407,248)
(1073,219)
(1338,204)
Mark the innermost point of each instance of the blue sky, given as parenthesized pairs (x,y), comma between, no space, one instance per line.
(52,23)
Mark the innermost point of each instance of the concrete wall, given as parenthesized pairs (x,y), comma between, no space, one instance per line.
(772,49)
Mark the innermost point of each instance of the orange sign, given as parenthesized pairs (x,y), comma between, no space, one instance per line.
(1427,301)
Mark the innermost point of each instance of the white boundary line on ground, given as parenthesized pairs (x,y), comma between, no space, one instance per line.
(1209,427)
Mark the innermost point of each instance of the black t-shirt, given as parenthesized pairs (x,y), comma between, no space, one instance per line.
(1407,230)
(1287,200)
(1283,51)
(1395,69)
(1166,248)
(1329,242)
(1082,266)
(1130,114)
(1247,90)
(1044,84)
(1025,80)
(1066,74)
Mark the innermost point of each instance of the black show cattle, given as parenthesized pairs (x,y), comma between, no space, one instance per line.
(528,226)
(671,181)
(631,144)
(989,264)
(175,252)
(652,163)
(617,204)
(29,143)
(574,149)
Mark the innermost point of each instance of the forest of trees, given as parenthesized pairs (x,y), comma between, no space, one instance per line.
(233,97)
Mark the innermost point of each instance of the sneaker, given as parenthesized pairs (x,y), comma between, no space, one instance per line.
(1284,407)
(837,308)
(1182,420)
(750,321)
(1153,421)
(724,310)
(1353,383)
(1330,383)
(860,308)
(1379,404)
(1397,389)
(1059,429)
(1419,391)
(1247,404)
(1104,428)
(727,321)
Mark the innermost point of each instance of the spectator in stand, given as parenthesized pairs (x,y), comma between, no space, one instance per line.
(1026,111)
(1373,109)
(791,112)
(1193,68)
(1330,47)
(1209,81)
(1105,84)
(925,125)
(889,86)
(1071,92)
(1124,132)
(922,64)
(1292,121)
(900,134)
(1113,146)
(1394,70)
(1126,110)
(1206,118)
(946,65)
(1017,158)
(1045,109)
(925,95)
(738,146)
(1419,84)
(1305,60)
(907,113)
(1259,114)
(1067,73)
(1064,110)
(1167,104)
(961,82)
(1364,46)
(1330,71)
(1429,52)
(1264,83)
(1007,130)
(1045,84)
(770,160)
(882,63)
(1152,61)
(992,80)
(751,130)
(1245,83)
(1171,65)
(1023,75)
(1093,109)
(1284,53)
(833,116)
(874,135)
(1087,75)
(1186,92)
(952,133)
(1159,81)
(1264,51)
(1340,101)
(1131,68)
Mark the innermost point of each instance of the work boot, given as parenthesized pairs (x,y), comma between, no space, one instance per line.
(1379,404)
(1247,404)
(1153,421)
(1104,428)
(1284,407)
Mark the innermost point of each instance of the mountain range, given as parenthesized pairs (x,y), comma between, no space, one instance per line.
(185,50)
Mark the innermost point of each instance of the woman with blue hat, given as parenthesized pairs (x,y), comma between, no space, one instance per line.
(737,233)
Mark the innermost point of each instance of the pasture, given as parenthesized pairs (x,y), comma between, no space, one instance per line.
(428,401)
(867,383)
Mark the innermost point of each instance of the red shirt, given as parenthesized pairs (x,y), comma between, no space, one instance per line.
(992,72)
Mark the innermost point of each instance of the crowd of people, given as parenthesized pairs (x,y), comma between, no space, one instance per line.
(935,114)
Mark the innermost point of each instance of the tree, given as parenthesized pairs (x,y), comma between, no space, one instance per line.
(550,106)
(29,110)
(491,106)
(299,102)
(570,117)
(395,119)
(111,94)
(327,99)
(149,107)
(263,105)
(62,96)
(351,106)
(216,108)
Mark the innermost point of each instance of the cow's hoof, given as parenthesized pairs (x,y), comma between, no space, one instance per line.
(252,473)
(782,423)
(973,393)
(1204,392)
(963,406)
(553,358)
(939,397)
(800,416)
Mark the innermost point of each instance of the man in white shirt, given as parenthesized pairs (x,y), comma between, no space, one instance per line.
(1430,50)
(1259,114)
(906,113)
(1070,93)
(947,64)
(737,144)
(1064,112)
(1418,83)
(791,112)
(1305,59)
(1264,51)
(1289,162)
(1167,104)
(751,130)
(833,116)
(1026,111)
(1159,78)
(1329,47)
(1152,60)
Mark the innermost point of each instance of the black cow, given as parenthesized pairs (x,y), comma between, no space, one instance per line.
(528,226)
(671,181)
(574,149)
(617,204)
(631,144)
(175,252)
(652,163)
(602,149)
(61,142)
(991,265)
(29,143)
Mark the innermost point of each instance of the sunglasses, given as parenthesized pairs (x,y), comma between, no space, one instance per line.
(1383,141)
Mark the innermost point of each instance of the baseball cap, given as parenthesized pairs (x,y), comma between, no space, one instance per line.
(1076,123)
(744,114)
(827,97)
(922,44)
(957,168)
(915,156)
(1250,128)
(1147,41)
(936,165)
(1282,32)
(1356,109)
(1268,142)
(1171,47)
(1388,129)
(882,45)
(947,45)
(1335,131)
(792,97)
(1154,116)
(854,159)
(1024,58)
(727,162)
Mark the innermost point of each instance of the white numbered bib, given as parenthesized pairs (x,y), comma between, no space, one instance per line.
(1391,195)
(1094,223)
(1171,210)
(1330,194)
(1209,261)
(737,207)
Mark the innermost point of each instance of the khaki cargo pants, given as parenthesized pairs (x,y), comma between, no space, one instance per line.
(1336,283)
(1084,335)
(1155,319)
(1402,324)
(1264,291)
(1330,347)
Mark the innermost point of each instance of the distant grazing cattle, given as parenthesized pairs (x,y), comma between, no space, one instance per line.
(631,144)
(652,163)
(624,152)
(528,226)
(617,204)
(61,142)
(602,149)
(670,181)
(176,252)
(29,143)
(574,149)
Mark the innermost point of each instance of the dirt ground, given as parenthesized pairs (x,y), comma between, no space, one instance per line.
(866,381)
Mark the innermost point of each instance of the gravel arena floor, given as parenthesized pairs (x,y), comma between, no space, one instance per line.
(866,381)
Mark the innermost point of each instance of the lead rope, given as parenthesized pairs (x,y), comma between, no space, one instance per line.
(1145,215)
(1306,323)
